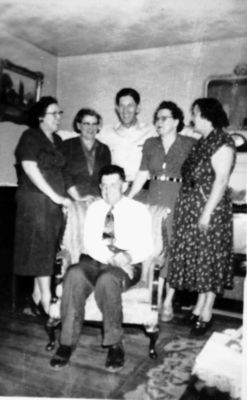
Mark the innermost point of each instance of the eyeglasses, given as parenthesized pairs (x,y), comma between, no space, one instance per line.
(88,124)
(163,118)
(55,113)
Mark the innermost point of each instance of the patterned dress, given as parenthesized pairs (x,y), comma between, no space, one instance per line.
(202,261)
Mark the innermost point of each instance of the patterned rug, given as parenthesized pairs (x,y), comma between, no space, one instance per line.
(168,379)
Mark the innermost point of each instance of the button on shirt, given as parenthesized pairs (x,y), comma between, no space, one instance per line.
(126,145)
(132,227)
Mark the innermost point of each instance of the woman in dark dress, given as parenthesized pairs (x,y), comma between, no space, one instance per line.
(40,198)
(85,156)
(162,159)
(201,249)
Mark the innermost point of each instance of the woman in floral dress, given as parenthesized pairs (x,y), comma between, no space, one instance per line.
(201,249)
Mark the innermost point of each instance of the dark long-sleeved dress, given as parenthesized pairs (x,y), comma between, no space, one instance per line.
(38,219)
(202,261)
(76,172)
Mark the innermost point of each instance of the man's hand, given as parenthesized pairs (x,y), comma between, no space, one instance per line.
(121,259)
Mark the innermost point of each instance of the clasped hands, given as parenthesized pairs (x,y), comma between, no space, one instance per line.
(122,259)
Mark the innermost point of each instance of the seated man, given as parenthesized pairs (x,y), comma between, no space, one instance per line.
(118,237)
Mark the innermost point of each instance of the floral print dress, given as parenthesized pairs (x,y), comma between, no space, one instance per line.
(202,261)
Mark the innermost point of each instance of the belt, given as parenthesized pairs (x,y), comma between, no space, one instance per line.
(165,178)
(145,186)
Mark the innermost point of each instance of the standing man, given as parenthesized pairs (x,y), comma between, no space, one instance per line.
(117,237)
(127,138)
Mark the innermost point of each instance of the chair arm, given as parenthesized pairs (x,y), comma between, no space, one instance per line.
(155,285)
(155,288)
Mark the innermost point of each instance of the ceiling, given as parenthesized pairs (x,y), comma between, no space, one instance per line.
(77,27)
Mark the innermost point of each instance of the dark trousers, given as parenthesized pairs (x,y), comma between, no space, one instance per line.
(108,282)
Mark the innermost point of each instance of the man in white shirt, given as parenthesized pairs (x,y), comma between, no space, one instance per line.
(117,237)
(127,138)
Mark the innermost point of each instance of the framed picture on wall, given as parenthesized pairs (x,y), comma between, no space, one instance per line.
(20,88)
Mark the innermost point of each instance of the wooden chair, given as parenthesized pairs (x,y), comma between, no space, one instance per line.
(142,302)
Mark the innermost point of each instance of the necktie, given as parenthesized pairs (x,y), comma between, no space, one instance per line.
(109,238)
(108,231)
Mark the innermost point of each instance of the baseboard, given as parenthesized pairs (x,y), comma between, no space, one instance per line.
(221,312)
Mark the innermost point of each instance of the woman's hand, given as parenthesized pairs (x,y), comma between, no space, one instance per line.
(141,178)
(204,222)
(88,198)
(61,200)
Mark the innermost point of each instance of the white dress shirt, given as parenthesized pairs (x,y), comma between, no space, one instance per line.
(126,145)
(132,226)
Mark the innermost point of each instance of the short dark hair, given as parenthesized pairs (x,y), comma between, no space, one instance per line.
(81,114)
(212,110)
(176,112)
(38,110)
(128,92)
(110,170)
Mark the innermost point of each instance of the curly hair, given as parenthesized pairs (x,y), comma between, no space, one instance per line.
(38,110)
(212,110)
(176,112)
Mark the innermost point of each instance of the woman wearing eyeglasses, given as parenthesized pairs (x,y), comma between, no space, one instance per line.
(40,198)
(85,156)
(162,159)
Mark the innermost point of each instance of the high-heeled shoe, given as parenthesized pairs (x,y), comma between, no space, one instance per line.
(201,327)
(36,309)
(190,318)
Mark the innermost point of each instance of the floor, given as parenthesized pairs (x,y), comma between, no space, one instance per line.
(24,362)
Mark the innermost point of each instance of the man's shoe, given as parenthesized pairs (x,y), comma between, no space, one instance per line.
(115,358)
(61,357)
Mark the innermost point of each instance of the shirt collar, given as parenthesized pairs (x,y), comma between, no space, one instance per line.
(121,128)
(117,205)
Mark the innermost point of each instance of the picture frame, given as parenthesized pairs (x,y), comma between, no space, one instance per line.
(20,88)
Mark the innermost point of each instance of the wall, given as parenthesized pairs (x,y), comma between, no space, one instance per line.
(25,55)
(176,73)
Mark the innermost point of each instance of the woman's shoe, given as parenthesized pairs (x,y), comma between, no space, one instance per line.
(36,309)
(201,327)
(167,315)
(190,318)
(33,307)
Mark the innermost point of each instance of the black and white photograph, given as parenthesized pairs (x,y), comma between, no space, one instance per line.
(123,199)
